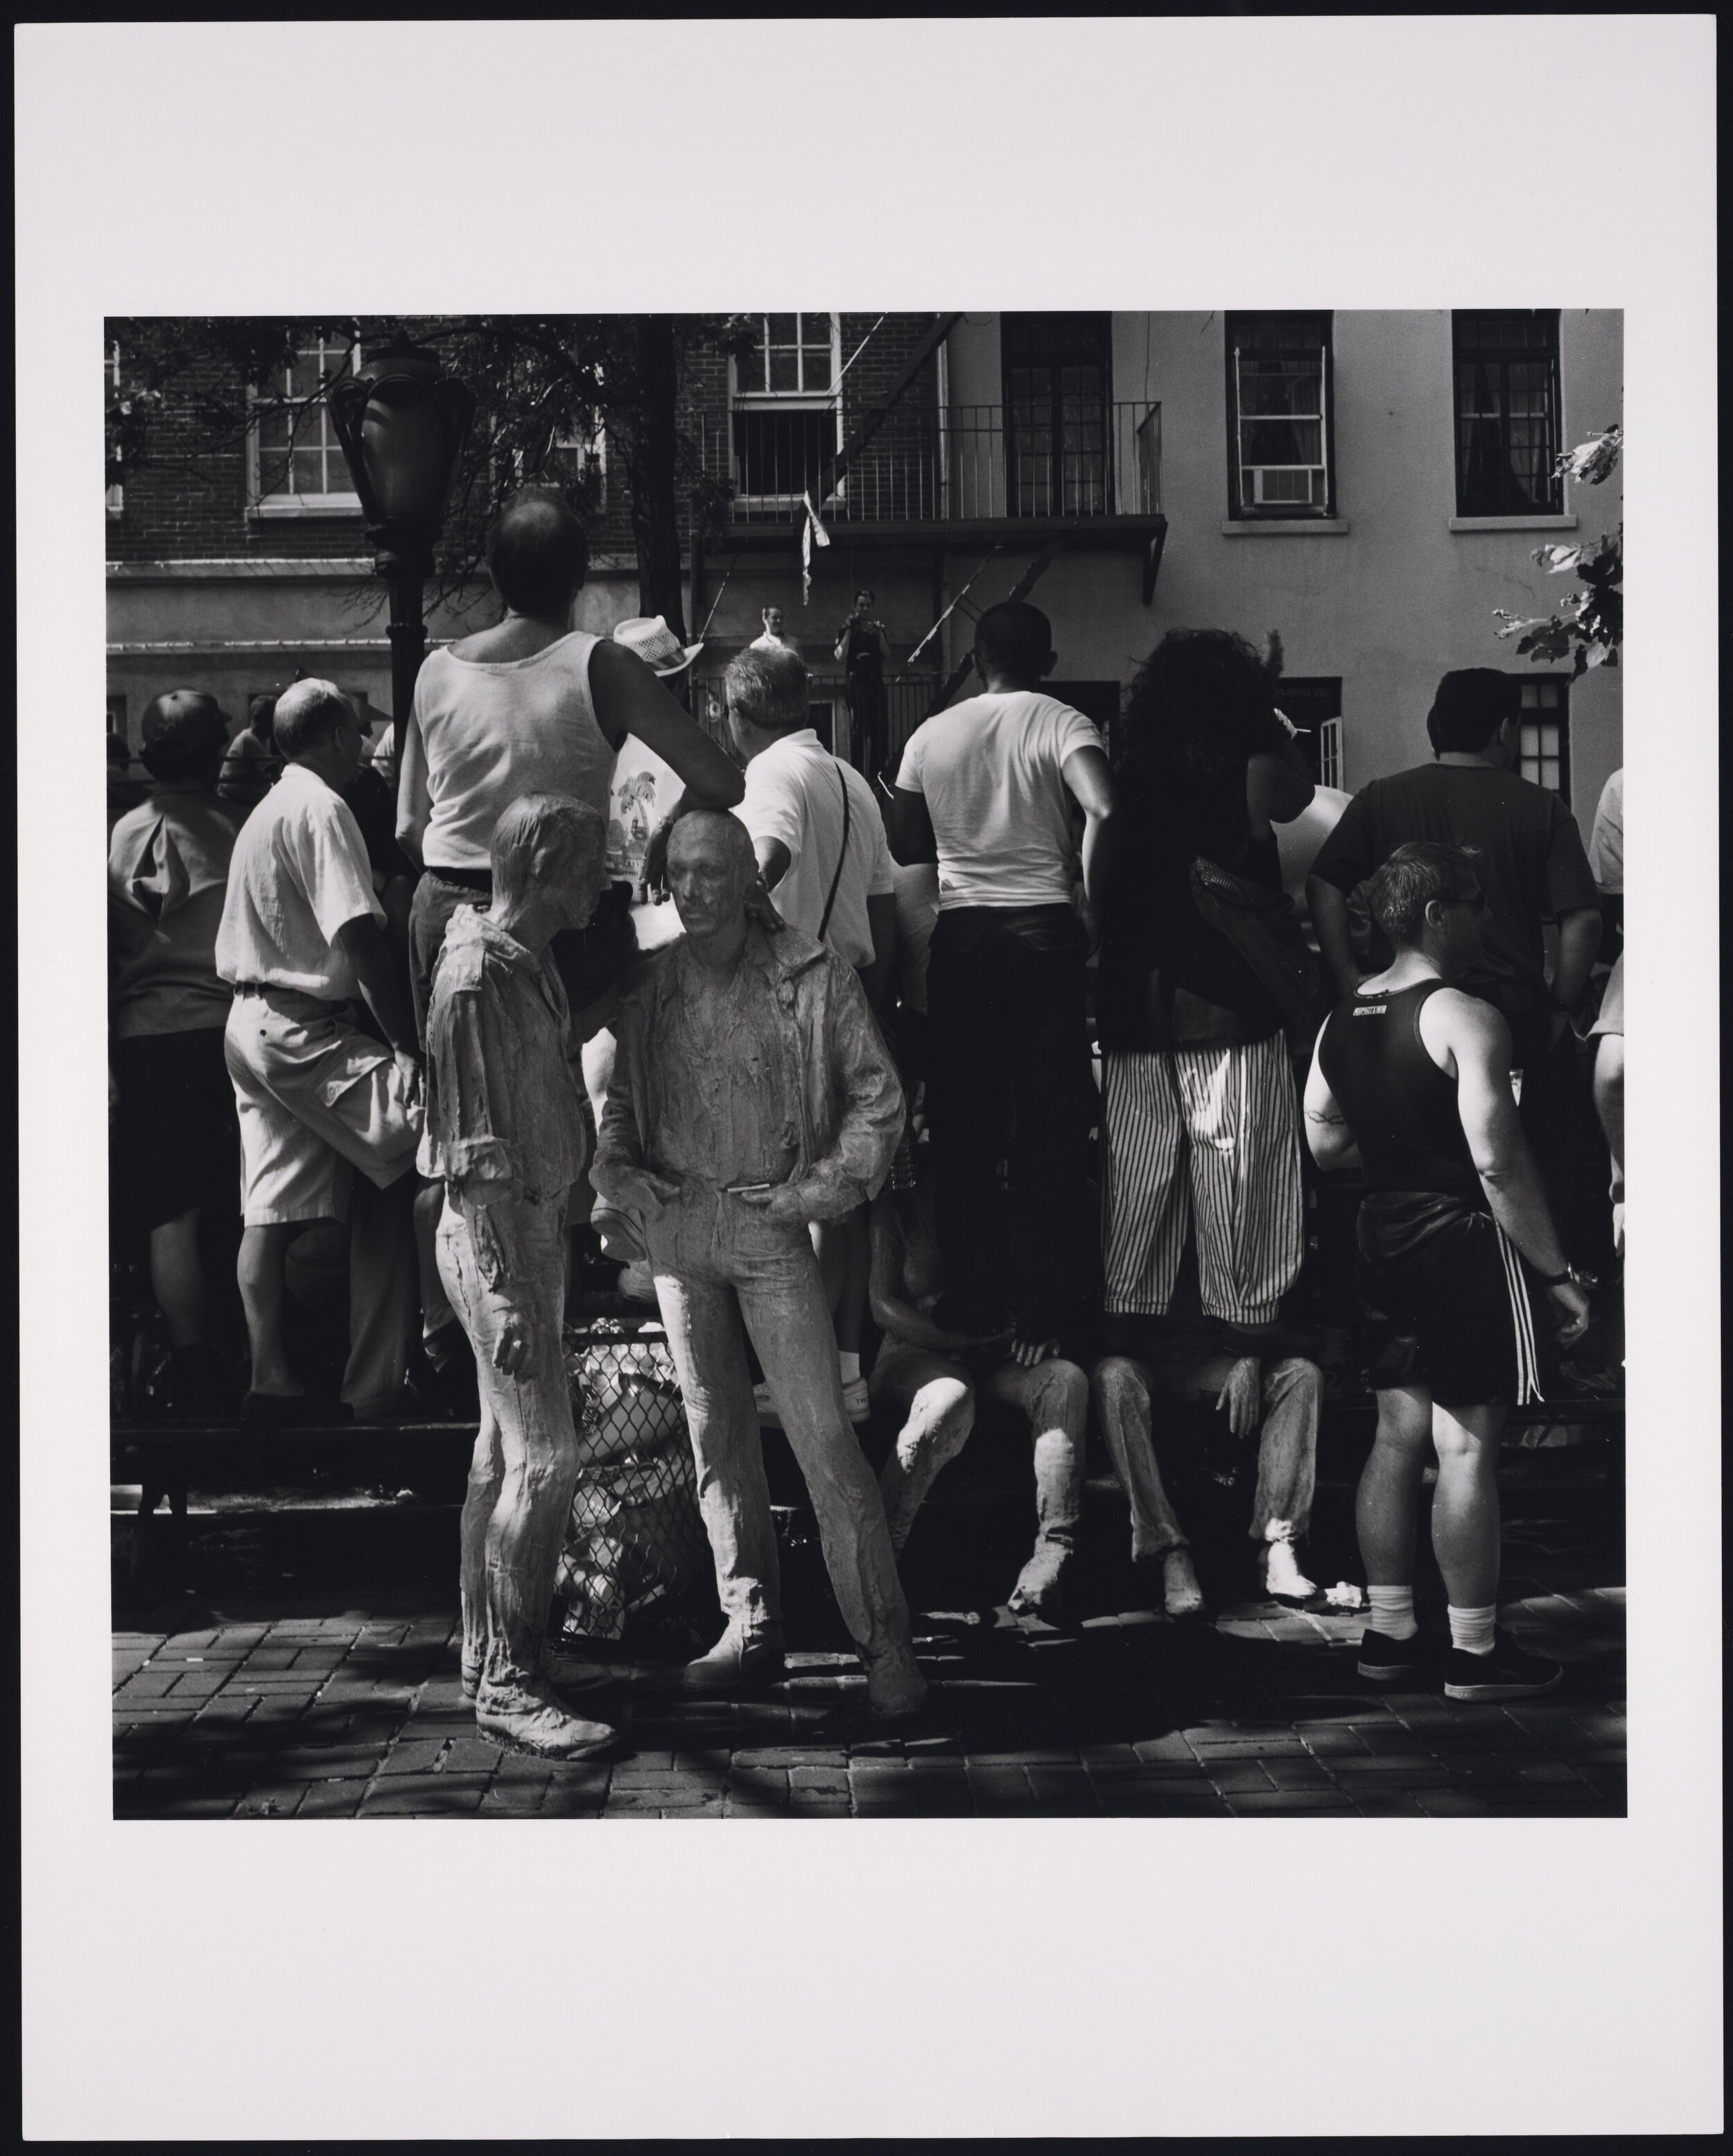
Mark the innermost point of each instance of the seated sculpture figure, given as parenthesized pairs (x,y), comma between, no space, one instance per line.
(934,1375)
(505,1134)
(752,1095)
(1275,1396)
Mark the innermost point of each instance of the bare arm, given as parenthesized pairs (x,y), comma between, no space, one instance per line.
(1579,938)
(892,1311)
(415,804)
(362,943)
(1090,777)
(1329,909)
(630,699)
(1477,1042)
(909,829)
(881,918)
(774,860)
(1326,1128)
(1279,787)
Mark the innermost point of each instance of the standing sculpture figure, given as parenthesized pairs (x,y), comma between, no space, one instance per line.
(752,1095)
(505,1133)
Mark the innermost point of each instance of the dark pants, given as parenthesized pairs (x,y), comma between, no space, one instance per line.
(1006,1010)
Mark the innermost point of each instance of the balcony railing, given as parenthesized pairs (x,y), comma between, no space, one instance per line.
(974,463)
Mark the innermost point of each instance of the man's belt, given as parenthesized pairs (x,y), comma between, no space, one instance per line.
(280,989)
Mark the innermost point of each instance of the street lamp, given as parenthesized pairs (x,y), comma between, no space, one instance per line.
(401,423)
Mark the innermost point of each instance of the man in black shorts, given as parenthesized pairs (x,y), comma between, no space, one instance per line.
(1411,1082)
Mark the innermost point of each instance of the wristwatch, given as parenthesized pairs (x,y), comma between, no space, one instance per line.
(1586,1282)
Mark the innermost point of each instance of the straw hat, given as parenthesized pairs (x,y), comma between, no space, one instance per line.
(656,644)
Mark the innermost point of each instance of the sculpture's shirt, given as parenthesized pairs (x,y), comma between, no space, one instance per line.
(734,1115)
(504,1104)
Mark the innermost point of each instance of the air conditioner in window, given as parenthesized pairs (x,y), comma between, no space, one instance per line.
(1284,486)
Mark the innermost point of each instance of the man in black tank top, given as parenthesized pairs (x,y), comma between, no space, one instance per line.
(1410,1082)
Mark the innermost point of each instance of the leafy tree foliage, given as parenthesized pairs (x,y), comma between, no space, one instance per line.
(1589,627)
(546,387)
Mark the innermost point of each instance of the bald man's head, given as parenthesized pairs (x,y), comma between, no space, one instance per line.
(537,554)
(710,866)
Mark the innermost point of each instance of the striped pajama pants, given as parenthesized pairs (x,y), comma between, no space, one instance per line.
(1209,1136)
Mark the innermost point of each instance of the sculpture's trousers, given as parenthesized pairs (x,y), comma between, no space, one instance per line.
(719,1264)
(525,1466)
(1287,1443)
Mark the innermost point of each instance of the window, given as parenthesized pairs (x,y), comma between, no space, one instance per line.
(117,715)
(785,413)
(578,463)
(1280,392)
(114,499)
(1314,704)
(1055,372)
(298,463)
(1543,736)
(1507,413)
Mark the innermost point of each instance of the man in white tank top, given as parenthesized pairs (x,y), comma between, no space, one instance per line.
(533,706)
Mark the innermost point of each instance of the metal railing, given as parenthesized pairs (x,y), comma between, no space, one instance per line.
(972,462)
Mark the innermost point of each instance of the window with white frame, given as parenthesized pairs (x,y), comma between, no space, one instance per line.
(785,415)
(1543,734)
(1312,704)
(1280,451)
(115,497)
(298,465)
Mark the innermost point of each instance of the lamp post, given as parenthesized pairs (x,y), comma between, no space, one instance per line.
(402,422)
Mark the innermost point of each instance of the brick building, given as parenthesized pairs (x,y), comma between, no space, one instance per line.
(1370,484)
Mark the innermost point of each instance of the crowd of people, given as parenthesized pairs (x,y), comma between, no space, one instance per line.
(998,1083)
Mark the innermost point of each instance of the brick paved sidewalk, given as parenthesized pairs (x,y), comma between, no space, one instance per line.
(322,1716)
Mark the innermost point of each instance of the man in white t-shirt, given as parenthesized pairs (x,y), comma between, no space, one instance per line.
(986,789)
(819,839)
(302,943)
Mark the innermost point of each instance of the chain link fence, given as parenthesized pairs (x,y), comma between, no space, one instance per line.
(636,1559)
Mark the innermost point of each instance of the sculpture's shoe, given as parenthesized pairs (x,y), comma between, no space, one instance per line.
(530,1718)
(471,1682)
(1040,1588)
(1180,1594)
(895,1688)
(734,1663)
(1282,1578)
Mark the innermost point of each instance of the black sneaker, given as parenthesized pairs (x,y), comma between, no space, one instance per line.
(1407,1665)
(1508,1672)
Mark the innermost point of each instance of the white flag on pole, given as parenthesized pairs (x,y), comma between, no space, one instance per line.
(810,529)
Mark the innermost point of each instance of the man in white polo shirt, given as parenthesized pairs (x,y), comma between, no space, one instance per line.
(986,789)
(820,842)
(302,942)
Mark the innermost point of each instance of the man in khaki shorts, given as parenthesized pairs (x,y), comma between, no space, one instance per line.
(302,942)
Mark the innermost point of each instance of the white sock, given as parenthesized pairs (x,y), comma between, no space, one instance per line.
(850,1365)
(1472,1629)
(1392,1609)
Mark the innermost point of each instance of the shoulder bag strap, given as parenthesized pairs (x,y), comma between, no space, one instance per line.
(842,857)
